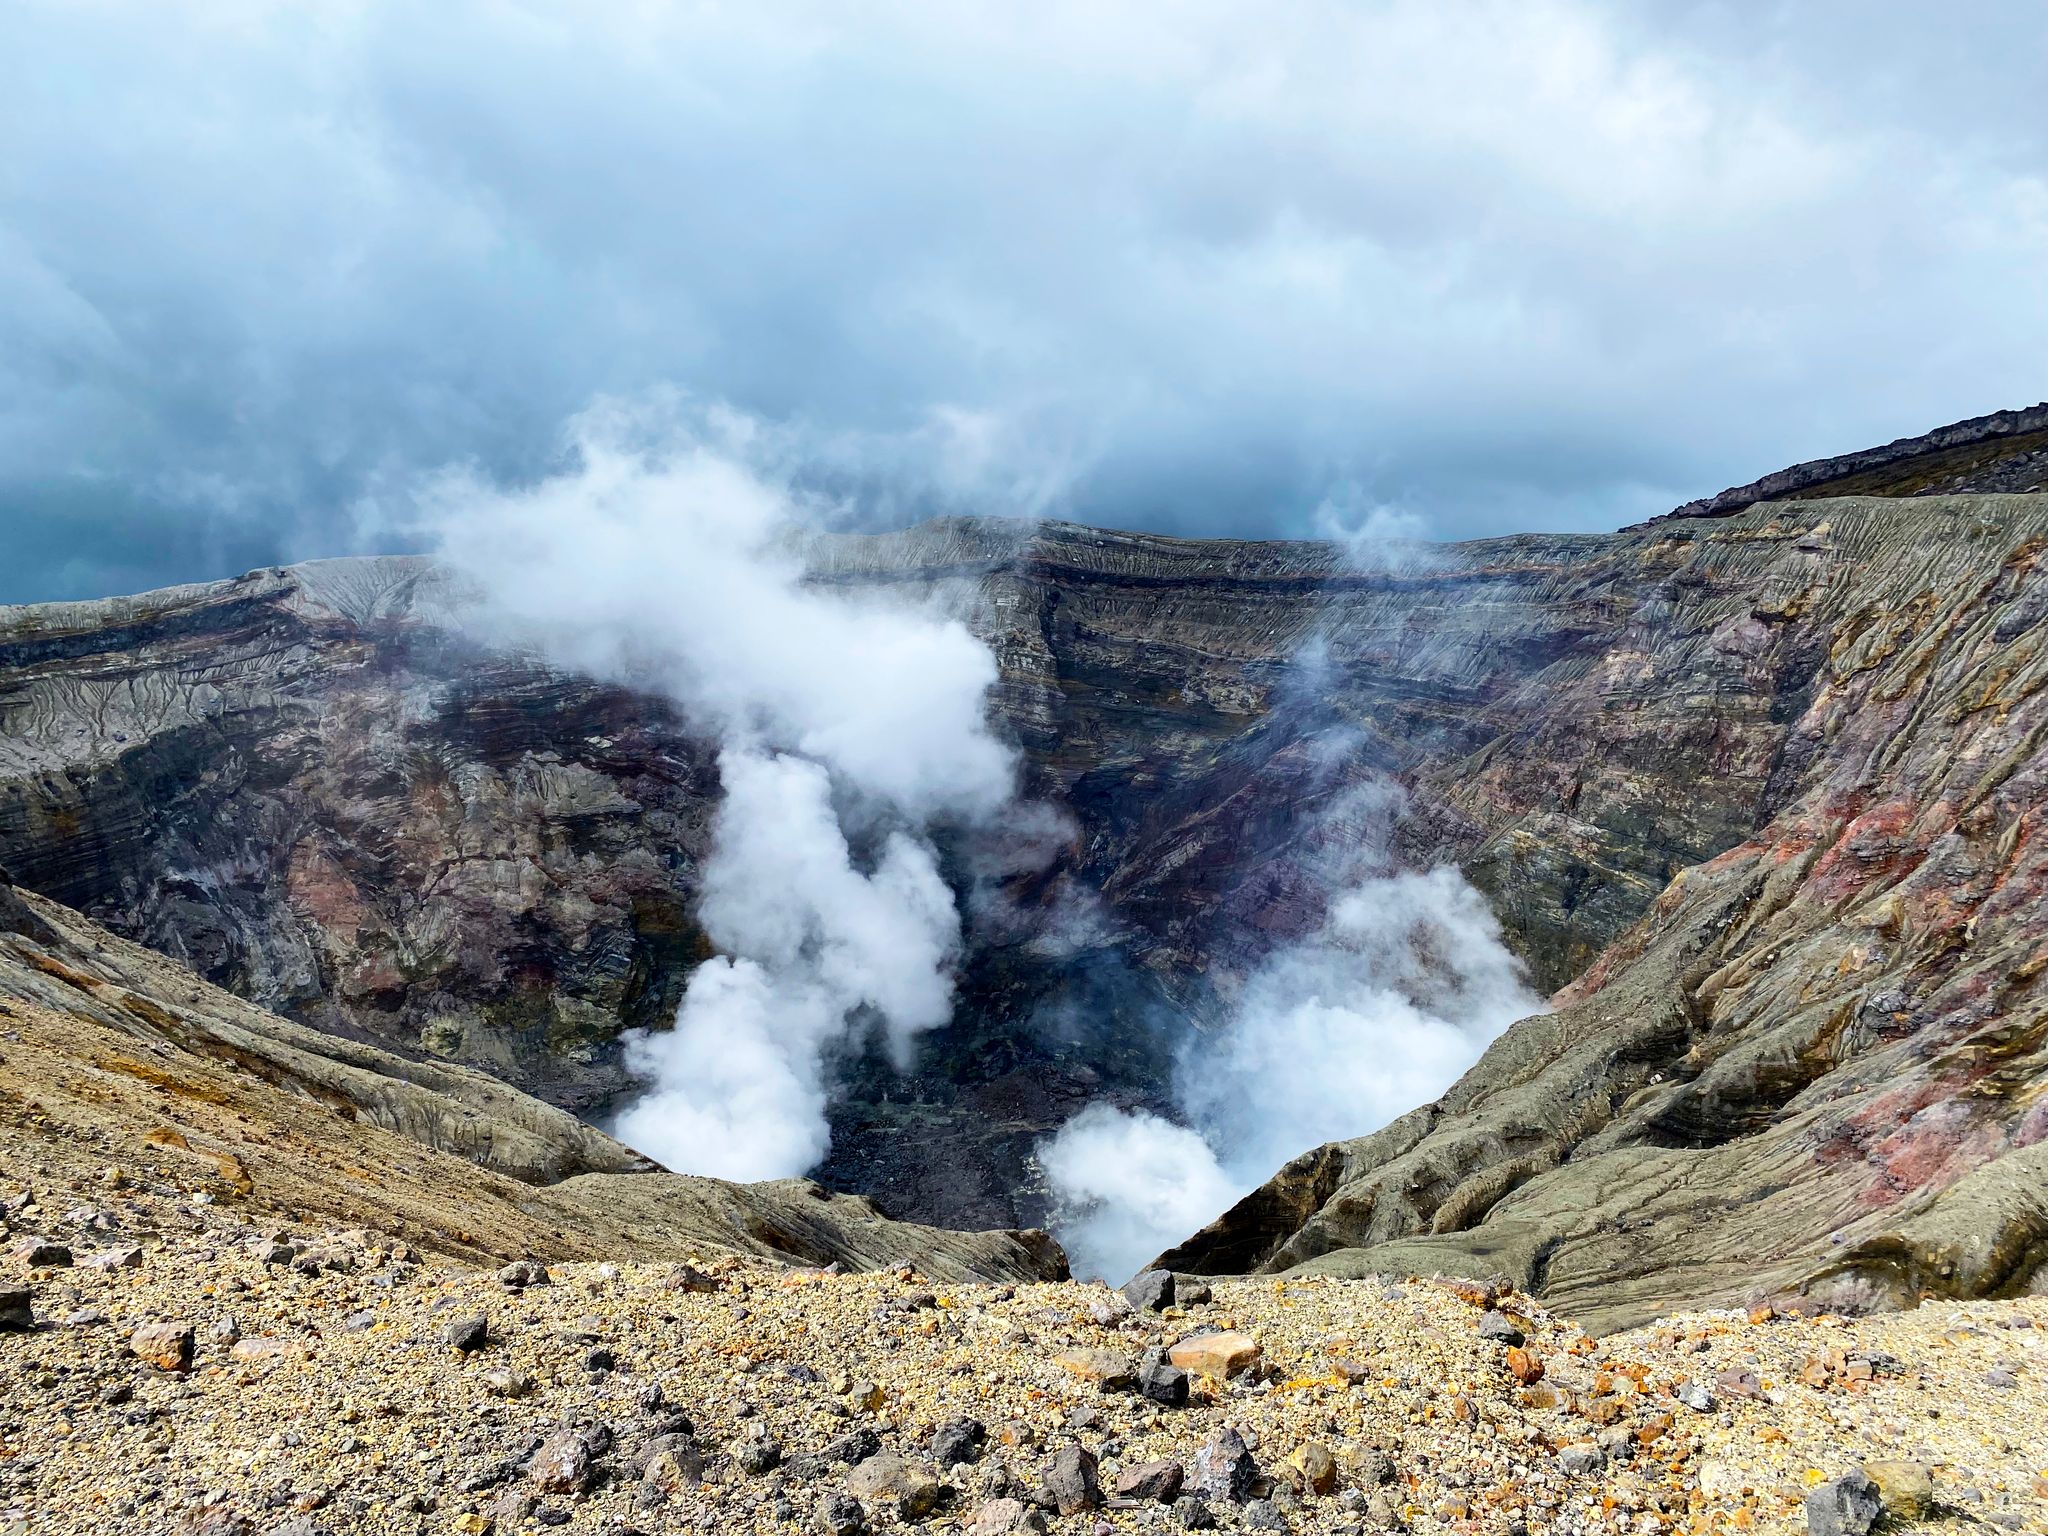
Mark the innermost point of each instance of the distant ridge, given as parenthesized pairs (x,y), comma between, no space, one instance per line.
(2005,451)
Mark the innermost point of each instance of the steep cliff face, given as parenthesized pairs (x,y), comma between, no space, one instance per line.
(308,786)
(1817,1060)
(314,796)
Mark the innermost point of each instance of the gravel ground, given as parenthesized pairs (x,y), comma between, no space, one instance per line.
(336,1384)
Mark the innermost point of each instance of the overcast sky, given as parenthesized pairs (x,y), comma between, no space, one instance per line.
(1203,267)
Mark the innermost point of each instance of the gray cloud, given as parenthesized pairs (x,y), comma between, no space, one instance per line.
(1528,263)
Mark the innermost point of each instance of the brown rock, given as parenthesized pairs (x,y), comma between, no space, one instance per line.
(1525,1365)
(901,1485)
(1109,1370)
(167,1346)
(562,1464)
(1069,1480)
(1216,1355)
(1314,1469)
(1159,1481)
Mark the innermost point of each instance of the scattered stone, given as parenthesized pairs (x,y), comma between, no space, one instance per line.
(676,1465)
(521,1273)
(115,1258)
(37,1254)
(1904,1488)
(1472,1292)
(1106,1368)
(760,1456)
(895,1483)
(17,1313)
(1068,1480)
(958,1442)
(1582,1458)
(1739,1381)
(1002,1517)
(687,1277)
(1264,1515)
(1158,1482)
(562,1464)
(840,1514)
(854,1447)
(1500,1328)
(1314,1469)
(1223,1468)
(467,1334)
(1846,1506)
(503,1382)
(1695,1396)
(167,1346)
(1190,1292)
(1525,1365)
(1163,1383)
(1151,1290)
(1374,1467)
(1220,1355)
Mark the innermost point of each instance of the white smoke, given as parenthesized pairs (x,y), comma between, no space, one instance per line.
(1400,990)
(663,555)
(1130,1185)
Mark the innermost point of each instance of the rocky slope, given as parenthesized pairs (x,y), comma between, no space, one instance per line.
(1816,1062)
(112,1056)
(167,1366)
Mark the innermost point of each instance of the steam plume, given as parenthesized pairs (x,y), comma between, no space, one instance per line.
(661,556)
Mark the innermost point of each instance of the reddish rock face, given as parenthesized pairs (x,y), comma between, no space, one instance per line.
(1815,1063)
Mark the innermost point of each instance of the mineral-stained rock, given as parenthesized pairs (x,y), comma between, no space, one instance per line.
(1314,1468)
(167,1346)
(1904,1488)
(1106,1368)
(1823,1018)
(1221,1354)
(1224,1468)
